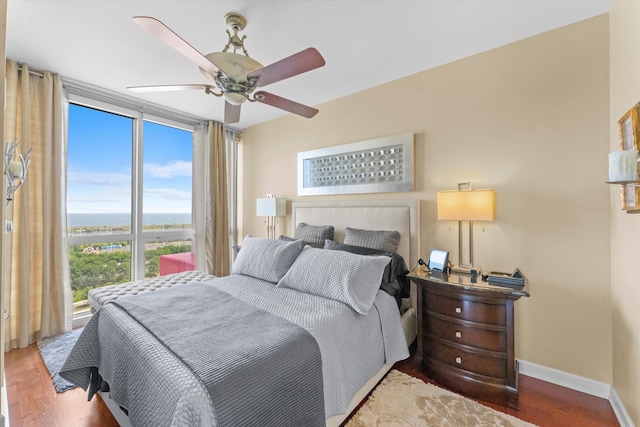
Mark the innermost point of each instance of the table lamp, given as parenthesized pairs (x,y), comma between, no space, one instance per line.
(465,204)
(271,207)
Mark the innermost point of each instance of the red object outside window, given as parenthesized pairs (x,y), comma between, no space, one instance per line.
(175,263)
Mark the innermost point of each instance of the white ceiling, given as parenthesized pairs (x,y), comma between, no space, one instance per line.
(364,43)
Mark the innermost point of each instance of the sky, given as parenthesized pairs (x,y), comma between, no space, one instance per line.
(100,164)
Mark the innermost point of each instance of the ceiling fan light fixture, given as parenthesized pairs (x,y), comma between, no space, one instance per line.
(235,98)
(234,65)
(236,75)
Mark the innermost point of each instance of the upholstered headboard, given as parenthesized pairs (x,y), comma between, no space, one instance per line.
(390,215)
(394,215)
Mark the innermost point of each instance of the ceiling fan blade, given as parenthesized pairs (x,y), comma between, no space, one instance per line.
(298,63)
(285,104)
(231,112)
(167,35)
(168,88)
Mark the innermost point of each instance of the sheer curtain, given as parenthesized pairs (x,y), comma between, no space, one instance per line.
(216,211)
(36,268)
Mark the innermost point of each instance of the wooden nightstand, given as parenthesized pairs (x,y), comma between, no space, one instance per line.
(465,335)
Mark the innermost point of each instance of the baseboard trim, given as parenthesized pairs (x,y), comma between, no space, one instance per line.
(4,416)
(578,383)
(618,408)
(81,319)
(565,379)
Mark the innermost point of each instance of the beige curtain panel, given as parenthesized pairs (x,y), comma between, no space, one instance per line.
(217,218)
(37,294)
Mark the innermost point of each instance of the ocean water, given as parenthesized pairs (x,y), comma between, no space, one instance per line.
(124,219)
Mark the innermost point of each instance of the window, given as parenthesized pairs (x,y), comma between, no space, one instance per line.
(129,197)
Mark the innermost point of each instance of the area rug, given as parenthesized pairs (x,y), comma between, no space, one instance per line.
(54,352)
(402,400)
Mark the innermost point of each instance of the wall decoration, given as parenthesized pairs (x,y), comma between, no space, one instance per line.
(16,166)
(629,129)
(629,135)
(373,166)
(630,198)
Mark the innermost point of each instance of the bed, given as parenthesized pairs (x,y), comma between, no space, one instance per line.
(143,353)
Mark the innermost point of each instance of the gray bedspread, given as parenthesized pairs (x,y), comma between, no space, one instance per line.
(264,380)
(353,348)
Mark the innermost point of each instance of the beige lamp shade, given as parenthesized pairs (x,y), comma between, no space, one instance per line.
(471,205)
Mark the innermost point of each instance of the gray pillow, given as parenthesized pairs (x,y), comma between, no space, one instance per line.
(341,276)
(313,235)
(266,259)
(374,239)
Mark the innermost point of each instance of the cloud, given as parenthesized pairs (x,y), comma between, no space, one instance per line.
(166,200)
(111,192)
(88,204)
(169,170)
(99,198)
(95,178)
(167,194)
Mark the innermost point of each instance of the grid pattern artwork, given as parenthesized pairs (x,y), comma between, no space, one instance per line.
(384,164)
(357,167)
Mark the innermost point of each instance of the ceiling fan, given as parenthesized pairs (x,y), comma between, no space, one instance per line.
(236,76)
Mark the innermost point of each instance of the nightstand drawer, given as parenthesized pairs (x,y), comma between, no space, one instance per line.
(466,336)
(477,363)
(493,340)
(473,311)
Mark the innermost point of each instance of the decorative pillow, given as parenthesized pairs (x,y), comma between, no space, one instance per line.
(349,278)
(266,259)
(375,239)
(313,235)
(394,279)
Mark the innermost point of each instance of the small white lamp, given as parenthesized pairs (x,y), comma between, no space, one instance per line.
(271,207)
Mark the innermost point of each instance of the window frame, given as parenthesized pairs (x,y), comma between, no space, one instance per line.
(137,235)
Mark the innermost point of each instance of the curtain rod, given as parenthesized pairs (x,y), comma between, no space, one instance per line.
(35,73)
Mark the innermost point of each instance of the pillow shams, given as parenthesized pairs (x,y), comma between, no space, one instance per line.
(266,259)
(394,279)
(375,239)
(342,276)
(313,235)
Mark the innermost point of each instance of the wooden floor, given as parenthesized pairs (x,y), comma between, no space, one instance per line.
(33,401)
(545,404)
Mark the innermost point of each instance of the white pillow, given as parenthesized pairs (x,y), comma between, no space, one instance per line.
(342,276)
(266,259)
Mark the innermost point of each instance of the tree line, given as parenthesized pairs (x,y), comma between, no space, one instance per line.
(91,270)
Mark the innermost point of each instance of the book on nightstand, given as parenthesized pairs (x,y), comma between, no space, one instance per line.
(513,280)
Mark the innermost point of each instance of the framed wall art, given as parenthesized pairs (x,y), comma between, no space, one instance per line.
(629,135)
(629,129)
(373,166)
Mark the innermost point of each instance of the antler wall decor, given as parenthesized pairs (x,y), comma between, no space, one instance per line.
(15,170)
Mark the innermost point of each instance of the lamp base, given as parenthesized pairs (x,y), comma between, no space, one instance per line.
(458,269)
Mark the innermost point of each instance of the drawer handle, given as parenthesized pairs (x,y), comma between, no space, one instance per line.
(458,310)
(458,334)
(458,360)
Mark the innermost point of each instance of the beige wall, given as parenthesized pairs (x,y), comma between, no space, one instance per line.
(625,228)
(3,36)
(531,121)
